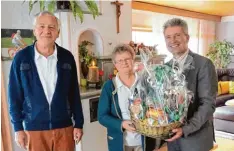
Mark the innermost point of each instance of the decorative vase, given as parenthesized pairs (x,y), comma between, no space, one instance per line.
(84,69)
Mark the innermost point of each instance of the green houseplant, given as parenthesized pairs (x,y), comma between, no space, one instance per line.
(85,56)
(72,4)
(219,53)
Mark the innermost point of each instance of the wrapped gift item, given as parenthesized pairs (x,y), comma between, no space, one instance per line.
(160,100)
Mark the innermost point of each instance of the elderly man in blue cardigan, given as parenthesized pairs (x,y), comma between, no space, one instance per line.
(44,92)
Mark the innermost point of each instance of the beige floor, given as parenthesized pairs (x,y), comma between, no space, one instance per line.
(224,144)
(221,145)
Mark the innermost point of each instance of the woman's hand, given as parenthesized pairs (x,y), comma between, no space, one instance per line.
(127,125)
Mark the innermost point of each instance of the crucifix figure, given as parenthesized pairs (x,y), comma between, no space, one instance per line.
(118,13)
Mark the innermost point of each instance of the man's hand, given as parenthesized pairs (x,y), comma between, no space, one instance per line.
(21,139)
(178,133)
(128,126)
(77,133)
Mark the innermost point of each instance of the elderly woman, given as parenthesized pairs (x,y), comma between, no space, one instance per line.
(113,110)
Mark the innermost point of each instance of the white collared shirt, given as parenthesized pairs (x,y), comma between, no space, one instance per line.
(47,70)
(130,138)
(181,60)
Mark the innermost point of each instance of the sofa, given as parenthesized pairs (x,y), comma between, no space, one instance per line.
(224,75)
(224,115)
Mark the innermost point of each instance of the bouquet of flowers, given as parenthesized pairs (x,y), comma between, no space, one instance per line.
(160,100)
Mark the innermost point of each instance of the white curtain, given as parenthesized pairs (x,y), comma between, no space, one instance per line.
(206,35)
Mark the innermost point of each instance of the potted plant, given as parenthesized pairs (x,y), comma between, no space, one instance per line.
(73,5)
(219,53)
(85,56)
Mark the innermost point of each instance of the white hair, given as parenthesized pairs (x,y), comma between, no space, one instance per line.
(45,13)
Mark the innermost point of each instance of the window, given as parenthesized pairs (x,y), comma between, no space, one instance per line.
(143,37)
(202,33)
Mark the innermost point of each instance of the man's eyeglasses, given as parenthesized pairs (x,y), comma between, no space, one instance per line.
(122,61)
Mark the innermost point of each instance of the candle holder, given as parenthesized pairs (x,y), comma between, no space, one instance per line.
(93,75)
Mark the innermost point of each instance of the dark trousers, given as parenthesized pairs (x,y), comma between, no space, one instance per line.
(173,146)
(152,143)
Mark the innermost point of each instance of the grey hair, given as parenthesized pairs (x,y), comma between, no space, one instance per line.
(120,48)
(45,13)
(176,22)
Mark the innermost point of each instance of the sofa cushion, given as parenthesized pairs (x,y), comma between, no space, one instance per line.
(231,87)
(225,113)
(219,89)
(224,87)
(221,99)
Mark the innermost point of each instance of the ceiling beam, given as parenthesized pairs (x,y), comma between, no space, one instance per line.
(173,11)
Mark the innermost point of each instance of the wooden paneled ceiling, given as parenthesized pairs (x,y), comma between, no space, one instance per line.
(212,7)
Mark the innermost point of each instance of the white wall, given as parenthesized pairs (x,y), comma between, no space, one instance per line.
(15,15)
(225,30)
(105,25)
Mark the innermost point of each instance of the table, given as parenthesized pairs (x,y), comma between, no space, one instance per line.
(230,102)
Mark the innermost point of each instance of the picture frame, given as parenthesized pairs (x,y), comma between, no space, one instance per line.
(14,40)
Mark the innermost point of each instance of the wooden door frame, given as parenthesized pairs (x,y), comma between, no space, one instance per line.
(5,122)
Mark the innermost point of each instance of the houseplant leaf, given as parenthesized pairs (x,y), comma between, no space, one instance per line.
(84,53)
(76,8)
(219,53)
(51,6)
(92,6)
(79,12)
(73,8)
(42,5)
(31,3)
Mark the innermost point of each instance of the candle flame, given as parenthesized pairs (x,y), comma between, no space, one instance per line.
(93,63)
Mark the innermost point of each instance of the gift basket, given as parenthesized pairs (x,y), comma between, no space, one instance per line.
(160,101)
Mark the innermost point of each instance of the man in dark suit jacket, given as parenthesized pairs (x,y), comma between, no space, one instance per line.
(197,133)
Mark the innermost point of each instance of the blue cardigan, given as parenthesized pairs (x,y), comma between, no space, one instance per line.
(109,115)
(28,106)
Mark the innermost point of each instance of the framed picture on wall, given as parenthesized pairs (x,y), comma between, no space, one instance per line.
(14,40)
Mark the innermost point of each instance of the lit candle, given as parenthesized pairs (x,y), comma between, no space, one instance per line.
(93,75)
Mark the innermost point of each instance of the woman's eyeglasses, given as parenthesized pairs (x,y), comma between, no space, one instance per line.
(122,61)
